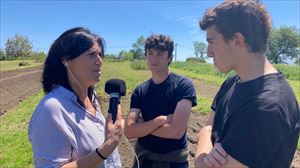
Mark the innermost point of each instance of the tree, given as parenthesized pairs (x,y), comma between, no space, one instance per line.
(138,48)
(19,46)
(126,55)
(283,45)
(297,62)
(2,54)
(199,49)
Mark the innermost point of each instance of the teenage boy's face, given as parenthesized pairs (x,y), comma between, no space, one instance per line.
(157,60)
(220,50)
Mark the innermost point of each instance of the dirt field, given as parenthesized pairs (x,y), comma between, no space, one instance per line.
(17,85)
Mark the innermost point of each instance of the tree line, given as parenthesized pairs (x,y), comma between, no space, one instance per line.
(283,47)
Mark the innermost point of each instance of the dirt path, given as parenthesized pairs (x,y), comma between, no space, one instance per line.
(17,85)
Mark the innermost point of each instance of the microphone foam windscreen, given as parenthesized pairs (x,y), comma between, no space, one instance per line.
(115,86)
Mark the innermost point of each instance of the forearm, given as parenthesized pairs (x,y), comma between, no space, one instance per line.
(169,131)
(141,129)
(204,145)
(92,159)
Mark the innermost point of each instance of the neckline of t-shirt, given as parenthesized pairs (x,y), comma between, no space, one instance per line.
(267,76)
(163,82)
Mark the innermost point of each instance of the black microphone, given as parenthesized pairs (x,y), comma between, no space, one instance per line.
(115,88)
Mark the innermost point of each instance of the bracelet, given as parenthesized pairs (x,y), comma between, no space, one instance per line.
(100,155)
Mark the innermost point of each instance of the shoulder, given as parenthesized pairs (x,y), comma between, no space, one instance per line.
(143,86)
(180,80)
(49,108)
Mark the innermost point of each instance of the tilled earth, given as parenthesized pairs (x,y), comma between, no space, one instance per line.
(16,85)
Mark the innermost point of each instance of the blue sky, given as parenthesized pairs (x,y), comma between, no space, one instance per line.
(122,22)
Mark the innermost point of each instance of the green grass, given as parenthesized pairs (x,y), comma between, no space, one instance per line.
(139,65)
(14,64)
(291,72)
(123,71)
(15,149)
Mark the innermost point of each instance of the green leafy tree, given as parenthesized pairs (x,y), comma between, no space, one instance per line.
(39,56)
(126,55)
(199,49)
(2,54)
(283,45)
(138,48)
(17,47)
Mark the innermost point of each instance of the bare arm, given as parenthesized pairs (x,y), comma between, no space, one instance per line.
(135,129)
(204,144)
(112,139)
(208,155)
(177,127)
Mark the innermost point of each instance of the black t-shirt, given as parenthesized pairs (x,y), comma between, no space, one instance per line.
(161,99)
(262,125)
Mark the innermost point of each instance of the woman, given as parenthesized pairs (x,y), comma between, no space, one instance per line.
(67,128)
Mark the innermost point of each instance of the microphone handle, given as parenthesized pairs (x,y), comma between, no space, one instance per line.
(113,104)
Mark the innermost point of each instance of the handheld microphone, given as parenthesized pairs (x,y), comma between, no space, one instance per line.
(115,88)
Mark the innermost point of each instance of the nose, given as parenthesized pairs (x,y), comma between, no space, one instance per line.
(210,53)
(99,60)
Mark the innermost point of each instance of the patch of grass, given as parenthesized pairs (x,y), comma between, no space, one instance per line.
(14,64)
(203,105)
(296,88)
(123,71)
(139,65)
(15,149)
(215,80)
(291,72)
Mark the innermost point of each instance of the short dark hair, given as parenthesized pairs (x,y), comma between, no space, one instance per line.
(159,42)
(249,17)
(69,45)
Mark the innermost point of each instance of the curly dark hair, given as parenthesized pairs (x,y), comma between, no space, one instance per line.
(159,42)
(69,45)
(248,17)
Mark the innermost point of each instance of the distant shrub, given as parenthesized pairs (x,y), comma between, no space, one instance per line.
(24,63)
(195,59)
(138,65)
(2,57)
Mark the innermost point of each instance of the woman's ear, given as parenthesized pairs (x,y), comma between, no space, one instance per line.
(64,62)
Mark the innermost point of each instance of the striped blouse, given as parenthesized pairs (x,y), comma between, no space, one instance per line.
(61,131)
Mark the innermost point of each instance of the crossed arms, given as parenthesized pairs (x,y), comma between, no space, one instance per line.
(172,126)
(209,155)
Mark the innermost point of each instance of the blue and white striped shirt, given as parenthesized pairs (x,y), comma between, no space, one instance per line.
(61,131)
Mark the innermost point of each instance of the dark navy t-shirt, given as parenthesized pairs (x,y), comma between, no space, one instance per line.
(257,121)
(161,99)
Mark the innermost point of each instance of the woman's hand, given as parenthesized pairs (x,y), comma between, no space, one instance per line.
(113,132)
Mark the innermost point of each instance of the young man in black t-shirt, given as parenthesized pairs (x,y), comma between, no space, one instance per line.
(160,109)
(255,116)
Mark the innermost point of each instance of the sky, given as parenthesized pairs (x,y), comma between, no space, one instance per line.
(120,23)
